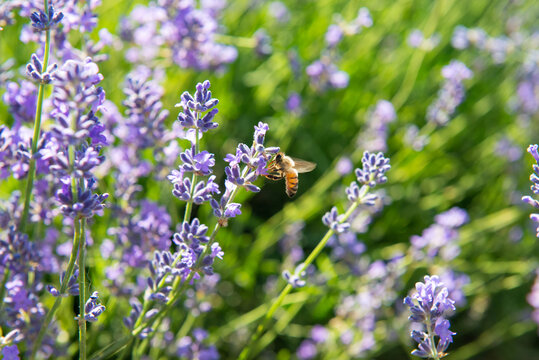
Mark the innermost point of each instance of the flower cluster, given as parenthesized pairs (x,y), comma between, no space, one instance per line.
(497,47)
(76,17)
(295,279)
(178,30)
(371,174)
(429,305)
(533,299)
(323,73)
(194,253)
(193,348)
(255,160)
(450,95)
(528,86)
(341,28)
(43,22)
(76,99)
(417,40)
(142,128)
(196,119)
(374,137)
(93,308)
(534,178)
(440,238)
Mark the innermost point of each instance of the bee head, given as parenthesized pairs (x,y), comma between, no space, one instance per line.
(279,157)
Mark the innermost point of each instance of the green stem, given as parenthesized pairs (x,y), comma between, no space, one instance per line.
(236,41)
(189,206)
(430,332)
(37,131)
(277,303)
(82,292)
(63,287)
(113,348)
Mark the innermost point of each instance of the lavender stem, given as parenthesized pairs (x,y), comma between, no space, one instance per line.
(37,131)
(82,291)
(56,305)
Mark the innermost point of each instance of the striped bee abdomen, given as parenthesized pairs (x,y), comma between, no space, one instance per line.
(292,182)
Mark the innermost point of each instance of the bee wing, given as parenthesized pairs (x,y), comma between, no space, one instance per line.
(303,166)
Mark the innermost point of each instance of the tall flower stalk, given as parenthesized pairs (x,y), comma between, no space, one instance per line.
(373,172)
(40,71)
(429,306)
(73,151)
(172,273)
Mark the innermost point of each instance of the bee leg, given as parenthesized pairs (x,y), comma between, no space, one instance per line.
(274,174)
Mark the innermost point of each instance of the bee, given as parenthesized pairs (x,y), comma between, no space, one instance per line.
(283,166)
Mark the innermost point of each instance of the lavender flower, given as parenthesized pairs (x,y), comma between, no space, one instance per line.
(534,178)
(293,103)
(92,308)
(85,205)
(450,95)
(18,253)
(414,139)
(188,32)
(295,279)
(193,348)
(507,149)
(374,137)
(334,221)
(464,37)
(10,352)
(307,350)
(334,35)
(533,298)
(21,99)
(440,238)
(374,168)
(200,163)
(279,11)
(452,218)
(75,16)
(194,106)
(42,21)
(344,166)
(325,75)
(431,305)
(416,39)
(196,193)
(255,158)
(72,287)
(262,43)
(527,89)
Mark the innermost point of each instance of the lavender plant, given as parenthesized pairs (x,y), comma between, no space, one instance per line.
(172,272)
(450,95)
(534,178)
(430,305)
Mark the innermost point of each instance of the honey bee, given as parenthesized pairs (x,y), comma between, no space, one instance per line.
(283,166)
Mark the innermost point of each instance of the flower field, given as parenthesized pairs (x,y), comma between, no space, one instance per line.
(251,179)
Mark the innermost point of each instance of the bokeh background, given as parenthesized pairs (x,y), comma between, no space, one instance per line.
(477,162)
